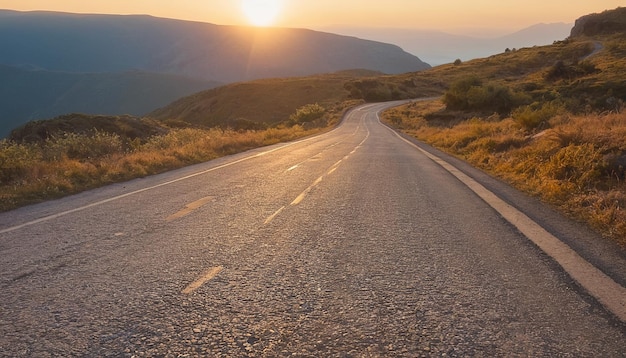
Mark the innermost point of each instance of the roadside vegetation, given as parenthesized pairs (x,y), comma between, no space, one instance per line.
(46,162)
(577,164)
(548,120)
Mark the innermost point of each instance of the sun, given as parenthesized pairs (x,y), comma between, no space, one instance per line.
(261,12)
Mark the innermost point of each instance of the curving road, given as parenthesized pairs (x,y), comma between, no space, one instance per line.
(349,244)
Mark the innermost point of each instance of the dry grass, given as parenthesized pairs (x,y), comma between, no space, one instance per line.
(72,163)
(576,165)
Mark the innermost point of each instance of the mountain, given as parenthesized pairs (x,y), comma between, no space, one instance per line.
(113,43)
(437,47)
(29,94)
(56,63)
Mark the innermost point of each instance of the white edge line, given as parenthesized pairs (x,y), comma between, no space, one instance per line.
(97,203)
(609,293)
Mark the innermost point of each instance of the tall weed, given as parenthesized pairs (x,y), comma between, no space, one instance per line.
(16,160)
(81,146)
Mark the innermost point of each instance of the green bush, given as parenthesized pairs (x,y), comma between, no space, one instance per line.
(307,113)
(536,115)
(471,94)
(456,96)
(562,70)
(373,90)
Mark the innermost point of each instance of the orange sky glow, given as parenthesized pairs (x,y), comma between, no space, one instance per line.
(447,15)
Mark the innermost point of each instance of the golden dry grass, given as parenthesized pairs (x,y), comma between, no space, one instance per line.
(35,172)
(572,165)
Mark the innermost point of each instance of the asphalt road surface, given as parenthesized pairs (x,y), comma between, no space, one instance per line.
(349,244)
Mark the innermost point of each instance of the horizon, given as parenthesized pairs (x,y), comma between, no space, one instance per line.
(482,18)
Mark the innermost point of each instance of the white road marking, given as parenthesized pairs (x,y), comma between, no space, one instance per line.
(608,292)
(332,168)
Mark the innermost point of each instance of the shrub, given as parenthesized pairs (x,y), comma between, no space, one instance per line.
(16,159)
(456,96)
(536,115)
(307,113)
(562,70)
(374,90)
(471,94)
(81,146)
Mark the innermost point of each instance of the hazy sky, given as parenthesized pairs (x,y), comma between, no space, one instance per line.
(449,15)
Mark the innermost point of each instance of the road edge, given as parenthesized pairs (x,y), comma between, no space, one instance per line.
(609,293)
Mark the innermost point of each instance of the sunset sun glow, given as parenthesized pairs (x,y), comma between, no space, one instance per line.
(261,12)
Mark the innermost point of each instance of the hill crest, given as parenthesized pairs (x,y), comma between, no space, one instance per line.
(604,23)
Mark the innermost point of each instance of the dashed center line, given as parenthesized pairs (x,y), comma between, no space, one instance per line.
(303,195)
(189,208)
(206,276)
(271,217)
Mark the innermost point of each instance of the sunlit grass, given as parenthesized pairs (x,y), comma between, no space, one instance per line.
(72,163)
(577,164)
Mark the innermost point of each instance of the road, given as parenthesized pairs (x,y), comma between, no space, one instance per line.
(353,243)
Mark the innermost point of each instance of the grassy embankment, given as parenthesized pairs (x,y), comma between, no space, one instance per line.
(542,119)
(53,158)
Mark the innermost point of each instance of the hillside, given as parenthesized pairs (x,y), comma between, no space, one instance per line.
(550,120)
(533,74)
(27,94)
(606,23)
(271,101)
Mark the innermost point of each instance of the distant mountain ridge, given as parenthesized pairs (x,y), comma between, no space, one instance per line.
(114,43)
(28,94)
(57,63)
(438,47)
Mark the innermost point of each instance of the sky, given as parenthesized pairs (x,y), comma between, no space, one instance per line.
(455,16)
